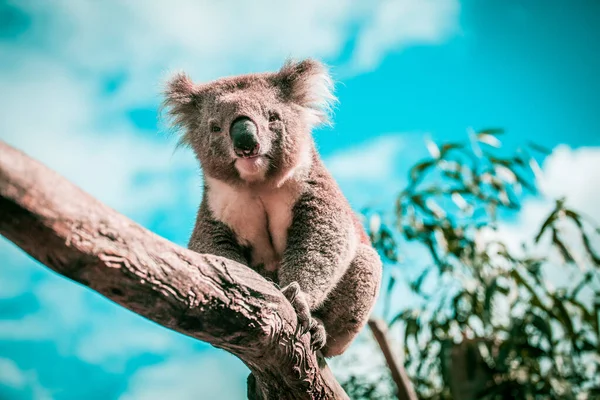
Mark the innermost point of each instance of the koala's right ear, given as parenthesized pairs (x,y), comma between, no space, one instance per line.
(181,100)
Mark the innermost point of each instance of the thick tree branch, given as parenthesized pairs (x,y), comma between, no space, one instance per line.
(405,389)
(206,297)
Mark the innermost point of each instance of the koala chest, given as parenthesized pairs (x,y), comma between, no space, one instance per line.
(259,219)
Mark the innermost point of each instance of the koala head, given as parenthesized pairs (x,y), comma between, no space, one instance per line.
(252,128)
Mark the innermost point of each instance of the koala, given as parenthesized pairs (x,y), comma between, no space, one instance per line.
(268,200)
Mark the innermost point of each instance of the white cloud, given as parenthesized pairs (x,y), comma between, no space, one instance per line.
(375,160)
(211,39)
(206,377)
(20,276)
(396,24)
(29,327)
(61,304)
(54,105)
(53,101)
(373,173)
(11,375)
(81,323)
(64,123)
(574,174)
(20,381)
(570,173)
(103,346)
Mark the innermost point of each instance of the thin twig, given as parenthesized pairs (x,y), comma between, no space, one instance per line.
(405,389)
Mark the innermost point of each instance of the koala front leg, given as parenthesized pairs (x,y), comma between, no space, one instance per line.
(211,236)
(320,246)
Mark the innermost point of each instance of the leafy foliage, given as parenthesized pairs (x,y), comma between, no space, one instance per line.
(491,324)
(361,388)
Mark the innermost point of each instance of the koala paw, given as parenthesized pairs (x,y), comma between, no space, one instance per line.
(295,296)
(318,336)
(305,322)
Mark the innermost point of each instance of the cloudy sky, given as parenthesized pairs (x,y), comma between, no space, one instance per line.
(79,88)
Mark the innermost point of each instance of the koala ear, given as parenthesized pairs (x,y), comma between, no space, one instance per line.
(308,84)
(179,89)
(181,101)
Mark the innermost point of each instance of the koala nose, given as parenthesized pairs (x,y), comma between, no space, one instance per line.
(244,136)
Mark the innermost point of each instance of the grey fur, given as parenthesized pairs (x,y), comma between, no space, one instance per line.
(282,213)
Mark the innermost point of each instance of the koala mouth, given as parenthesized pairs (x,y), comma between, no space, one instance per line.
(251,167)
(248,152)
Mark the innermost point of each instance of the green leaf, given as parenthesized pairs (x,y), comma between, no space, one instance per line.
(549,221)
(417,170)
(433,149)
(576,218)
(491,131)
(490,290)
(564,317)
(456,302)
(416,284)
(449,147)
(535,299)
(391,284)
(587,315)
(587,278)
(543,326)
(564,251)
(388,295)
(490,140)
(402,316)
(412,329)
(539,148)
(528,351)
(503,356)
(586,345)
(525,183)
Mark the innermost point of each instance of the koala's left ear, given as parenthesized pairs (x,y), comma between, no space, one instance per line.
(308,84)
(179,89)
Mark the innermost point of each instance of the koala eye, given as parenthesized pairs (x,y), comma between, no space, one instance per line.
(215,128)
(273,117)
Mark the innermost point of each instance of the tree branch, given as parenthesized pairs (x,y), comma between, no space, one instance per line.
(399,376)
(206,297)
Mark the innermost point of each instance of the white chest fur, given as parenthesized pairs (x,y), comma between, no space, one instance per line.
(259,218)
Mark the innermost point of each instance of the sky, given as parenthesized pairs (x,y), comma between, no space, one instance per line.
(80,85)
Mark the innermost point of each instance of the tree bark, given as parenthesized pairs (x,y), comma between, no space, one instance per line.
(210,298)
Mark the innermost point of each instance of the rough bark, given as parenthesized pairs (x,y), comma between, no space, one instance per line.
(210,298)
(399,376)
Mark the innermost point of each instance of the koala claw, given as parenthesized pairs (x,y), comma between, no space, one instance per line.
(318,336)
(305,322)
(295,296)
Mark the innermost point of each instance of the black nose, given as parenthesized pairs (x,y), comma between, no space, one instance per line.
(244,136)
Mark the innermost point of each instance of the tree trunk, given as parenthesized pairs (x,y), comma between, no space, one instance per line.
(210,298)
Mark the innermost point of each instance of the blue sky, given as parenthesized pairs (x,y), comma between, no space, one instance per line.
(80,85)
